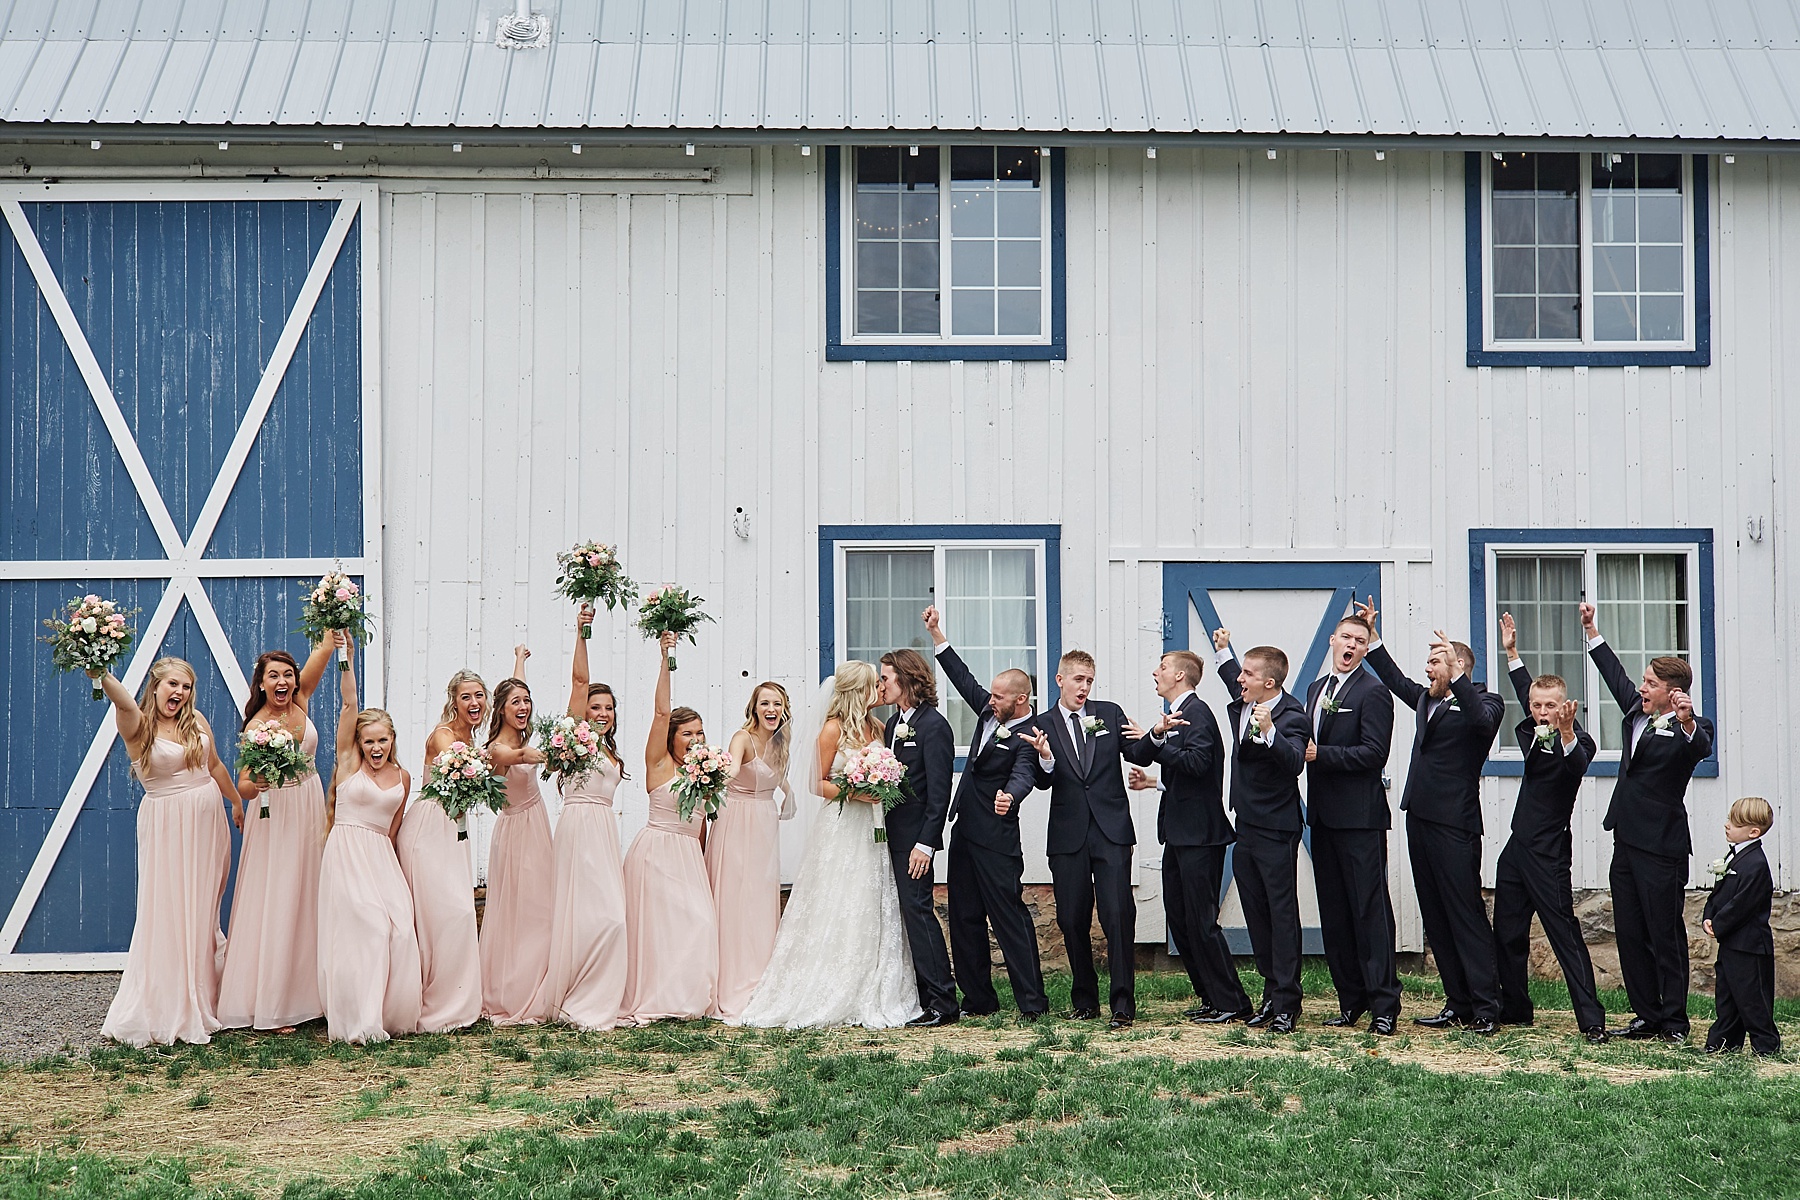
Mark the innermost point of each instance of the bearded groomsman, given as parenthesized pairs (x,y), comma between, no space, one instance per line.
(1663,740)
(1352,715)
(1455,725)
(1090,838)
(987,864)
(1191,825)
(1267,755)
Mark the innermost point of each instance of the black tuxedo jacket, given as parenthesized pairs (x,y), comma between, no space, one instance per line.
(930,758)
(1343,783)
(1552,780)
(1649,802)
(1005,764)
(1739,904)
(1265,780)
(1192,811)
(1443,782)
(1077,796)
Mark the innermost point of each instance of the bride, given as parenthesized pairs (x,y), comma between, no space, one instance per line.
(841,956)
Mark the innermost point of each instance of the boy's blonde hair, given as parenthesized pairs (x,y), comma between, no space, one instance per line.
(1752,812)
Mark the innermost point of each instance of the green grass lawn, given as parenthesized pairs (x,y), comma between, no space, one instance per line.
(990,1108)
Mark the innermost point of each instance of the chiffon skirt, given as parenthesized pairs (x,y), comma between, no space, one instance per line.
(271,977)
(436,867)
(369,973)
(586,982)
(743,862)
(671,934)
(515,930)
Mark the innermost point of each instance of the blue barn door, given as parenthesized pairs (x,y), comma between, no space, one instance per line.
(185,385)
(1291,605)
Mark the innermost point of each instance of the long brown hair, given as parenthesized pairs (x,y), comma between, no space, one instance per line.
(610,739)
(497,719)
(677,719)
(258,695)
(187,720)
(915,675)
(777,757)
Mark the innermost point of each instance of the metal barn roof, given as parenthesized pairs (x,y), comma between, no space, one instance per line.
(1660,69)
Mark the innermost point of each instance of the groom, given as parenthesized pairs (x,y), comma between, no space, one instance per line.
(920,736)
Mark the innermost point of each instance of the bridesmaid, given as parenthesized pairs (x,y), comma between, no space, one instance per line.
(271,978)
(743,851)
(671,932)
(170,990)
(436,865)
(586,983)
(369,976)
(521,875)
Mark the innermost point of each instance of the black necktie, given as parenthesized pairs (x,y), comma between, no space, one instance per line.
(1083,748)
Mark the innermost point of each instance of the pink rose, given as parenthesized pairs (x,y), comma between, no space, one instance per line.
(472,771)
(343,593)
(458,747)
(593,560)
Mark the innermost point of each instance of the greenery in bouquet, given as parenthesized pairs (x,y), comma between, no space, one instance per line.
(700,783)
(334,603)
(90,636)
(270,752)
(462,777)
(571,748)
(872,774)
(590,571)
(671,608)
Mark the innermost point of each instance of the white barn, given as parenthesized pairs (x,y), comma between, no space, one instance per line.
(1097,323)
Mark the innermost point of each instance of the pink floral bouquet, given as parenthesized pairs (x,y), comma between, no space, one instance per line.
(670,609)
(871,774)
(462,777)
(701,781)
(90,637)
(571,748)
(334,603)
(272,755)
(590,571)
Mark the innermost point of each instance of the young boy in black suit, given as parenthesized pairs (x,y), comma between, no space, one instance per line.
(1737,915)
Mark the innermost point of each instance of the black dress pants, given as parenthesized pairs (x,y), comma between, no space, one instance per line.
(1526,882)
(1193,877)
(1265,862)
(1356,918)
(984,890)
(1648,895)
(1097,874)
(1446,864)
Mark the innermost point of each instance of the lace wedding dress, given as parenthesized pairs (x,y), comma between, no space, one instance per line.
(841,956)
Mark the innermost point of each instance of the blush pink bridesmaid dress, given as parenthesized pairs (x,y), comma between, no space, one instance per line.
(586,983)
(369,973)
(271,978)
(436,866)
(743,862)
(170,990)
(671,933)
(521,889)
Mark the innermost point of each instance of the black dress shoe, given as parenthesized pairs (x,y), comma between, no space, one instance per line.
(1443,1020)
(1281,1023)
(1525,1020)
(1484,1028)
(1031,1018)
(1344,1020)
(931,1018)
(1199,1010)
(1385,1026)
(1639,1030)
(1597,1035)
(1085,1014)
(1263,1016)
(1221,1017)
(1672,1037)
(1119,1021)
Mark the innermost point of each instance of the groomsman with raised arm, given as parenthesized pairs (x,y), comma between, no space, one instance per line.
(920,737)
(1534,870)
(1352,716)
(1270,733)
(1090,838)
(1663,740)
(1456,720)
(1191,825)
(987,863)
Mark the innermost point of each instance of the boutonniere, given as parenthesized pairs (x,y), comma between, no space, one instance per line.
(904,732)
(1333,706)
(1546,737)
(1002,734)
(1661,722)
(1094,725)
(1453,704)
(1719,869)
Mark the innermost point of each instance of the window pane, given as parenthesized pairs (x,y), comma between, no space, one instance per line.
(1615,269)
(972,212)
(1535,264)
(919,214)
(972,263)
(972,311)
(1515,317)
(1515,220)
(1019,264)
(1543,594)
(919,265)
(1020,214)
(877,312)
(1659,218)
(1659,269)
(877,265)
(996,226)
(1661,319)
(1019,312)
(920,313)
(1643,613)
(1559,271)
(1515,270)
(1559,317)
(1615,318)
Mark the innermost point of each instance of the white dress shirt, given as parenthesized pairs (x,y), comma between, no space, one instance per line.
(1157,739)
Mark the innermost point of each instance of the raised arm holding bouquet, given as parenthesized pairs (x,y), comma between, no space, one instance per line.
(334,603)
(590,571)
(670,609)
(90,637)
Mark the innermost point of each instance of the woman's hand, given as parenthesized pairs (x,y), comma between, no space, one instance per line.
(237,814)
(531,754)
(669,640)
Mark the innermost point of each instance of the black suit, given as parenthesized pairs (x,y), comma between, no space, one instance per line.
(1347,806)
(1442,802)
(986,861)
(930,758)
(1265,795)
(1648,819)
(1089,845)
(1191,825)
(1534,871)
(1745,970)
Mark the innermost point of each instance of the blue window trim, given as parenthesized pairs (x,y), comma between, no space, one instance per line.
(1481,539)
(831,535)
(837,350)
(1480,356)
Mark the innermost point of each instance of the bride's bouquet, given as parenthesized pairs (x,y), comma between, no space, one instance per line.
(871,774)
(334,603)
(90,637)
(701,782)
(571,748)
(590,571)
(272,755)
(462,777)
(670,609)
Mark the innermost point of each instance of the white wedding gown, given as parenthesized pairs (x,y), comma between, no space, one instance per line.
(841,956)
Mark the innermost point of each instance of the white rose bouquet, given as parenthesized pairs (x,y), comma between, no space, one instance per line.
(272,755)
(462,777)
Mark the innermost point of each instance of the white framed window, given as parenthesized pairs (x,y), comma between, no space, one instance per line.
(992,592)
(946,245)
(1647,603)
(1589,252)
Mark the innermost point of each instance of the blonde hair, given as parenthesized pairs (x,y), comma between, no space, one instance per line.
(1752,811)
(849,703)
(372,716)
(461,677)
(187,719)
(364,719)
(777,757)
